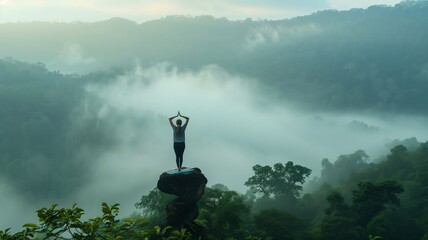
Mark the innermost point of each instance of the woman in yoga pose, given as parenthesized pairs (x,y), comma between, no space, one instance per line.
(179,138)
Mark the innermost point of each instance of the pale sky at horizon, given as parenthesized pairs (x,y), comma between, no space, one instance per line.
(145,10)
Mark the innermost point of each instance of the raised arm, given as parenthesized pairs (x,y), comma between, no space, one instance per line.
(170,119)
(185,117)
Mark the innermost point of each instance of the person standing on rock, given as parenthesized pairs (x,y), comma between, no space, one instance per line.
(179,138)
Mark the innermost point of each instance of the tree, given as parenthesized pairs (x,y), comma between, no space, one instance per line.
(154,205)
(282,180)
(327,168)
(343,166)
(338,222)
(398,163)
(222,212)
(364,216)
(262,180)
(371,198)
(277,225)
(339,228)
(337,206)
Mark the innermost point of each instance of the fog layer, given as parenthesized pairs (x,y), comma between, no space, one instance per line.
(232,127)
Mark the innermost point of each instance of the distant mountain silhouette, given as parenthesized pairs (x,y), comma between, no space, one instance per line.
(363,59)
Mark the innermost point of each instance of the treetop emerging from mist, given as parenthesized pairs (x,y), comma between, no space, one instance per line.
(281,180)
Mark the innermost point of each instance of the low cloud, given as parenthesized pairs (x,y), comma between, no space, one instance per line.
(346,5)
(16,210)
(233,126)
(73,59)
(268,35)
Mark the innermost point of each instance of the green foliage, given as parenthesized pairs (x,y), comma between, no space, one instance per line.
(153,206)
(344,166)
(398,163)
(222,212)
(66,223)
(375,237)
(339,228)
(277,225)
(373,210)
(337,206)
(261,181)
(282,180)
(366,214)
(371,198)
(380,225)
(43,128)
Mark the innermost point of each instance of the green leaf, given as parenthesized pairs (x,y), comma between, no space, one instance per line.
(30,225)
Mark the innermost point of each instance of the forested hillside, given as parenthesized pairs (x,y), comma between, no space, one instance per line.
(376,52)
(36,106)
(385,200)
(43,126)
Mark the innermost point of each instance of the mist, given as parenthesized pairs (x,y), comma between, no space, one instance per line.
(233,126)
(72,59)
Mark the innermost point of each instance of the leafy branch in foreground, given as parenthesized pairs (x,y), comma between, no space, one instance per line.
(66,223)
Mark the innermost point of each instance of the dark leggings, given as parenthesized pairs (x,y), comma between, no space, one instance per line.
(179,150)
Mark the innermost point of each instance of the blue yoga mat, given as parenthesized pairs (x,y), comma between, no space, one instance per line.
(183,170)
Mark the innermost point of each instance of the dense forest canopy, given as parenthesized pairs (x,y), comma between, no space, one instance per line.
(386,200)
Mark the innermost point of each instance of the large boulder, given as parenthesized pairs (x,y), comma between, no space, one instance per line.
(188,184)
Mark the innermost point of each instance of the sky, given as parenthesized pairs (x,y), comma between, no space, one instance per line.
(144,10)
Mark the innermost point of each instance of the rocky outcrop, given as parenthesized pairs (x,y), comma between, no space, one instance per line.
(189,186)
(180,213)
